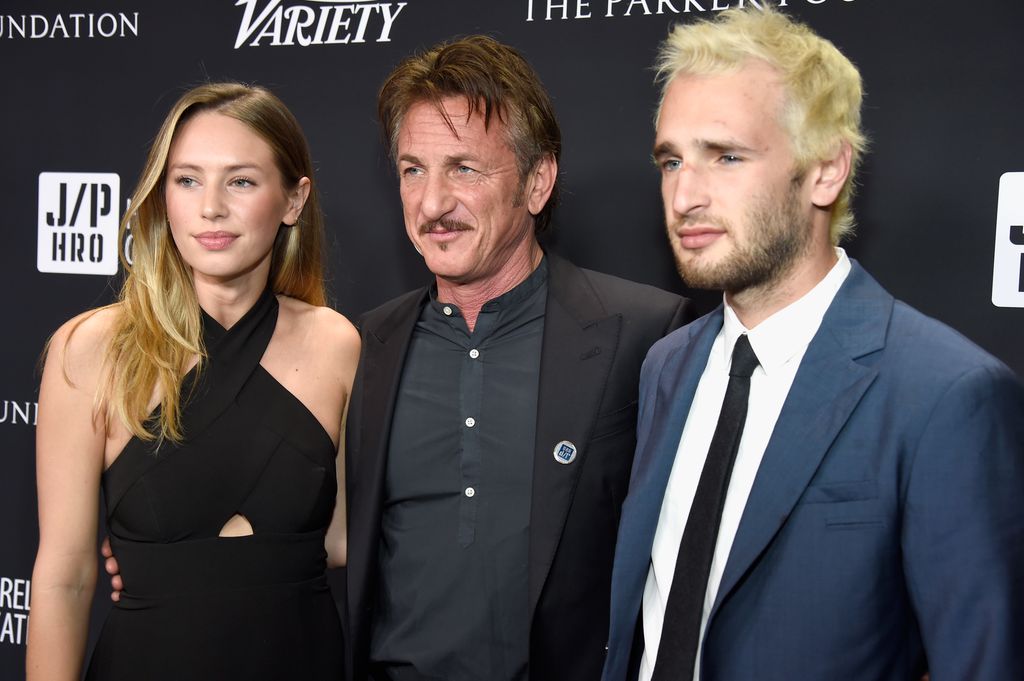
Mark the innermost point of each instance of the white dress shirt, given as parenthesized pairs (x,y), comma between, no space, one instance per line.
(779,342)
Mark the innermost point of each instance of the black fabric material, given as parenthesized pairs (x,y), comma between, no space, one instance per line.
(677,651)
(597,330)
(200,606)
(452,599)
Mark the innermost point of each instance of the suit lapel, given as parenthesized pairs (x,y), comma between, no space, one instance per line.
(670,400)
(665,404)
(383,359)
(828,386)
(580,340)
(384,349)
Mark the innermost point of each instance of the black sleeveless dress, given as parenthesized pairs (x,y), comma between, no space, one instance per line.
(199,606)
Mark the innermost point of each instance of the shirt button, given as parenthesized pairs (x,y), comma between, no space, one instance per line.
(474,353)
(470,422)
(470,492)
(447,310)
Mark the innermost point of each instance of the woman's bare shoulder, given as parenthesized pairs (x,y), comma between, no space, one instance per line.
(80,344)
(330,330)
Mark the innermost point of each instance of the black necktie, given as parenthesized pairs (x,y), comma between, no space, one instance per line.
(677,652)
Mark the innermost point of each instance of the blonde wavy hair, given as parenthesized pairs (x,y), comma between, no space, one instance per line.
(159,326)
(823,90)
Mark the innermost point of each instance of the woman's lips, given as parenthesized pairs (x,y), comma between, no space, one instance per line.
(215,241)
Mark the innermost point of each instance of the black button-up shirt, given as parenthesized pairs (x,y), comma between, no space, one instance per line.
(453,600)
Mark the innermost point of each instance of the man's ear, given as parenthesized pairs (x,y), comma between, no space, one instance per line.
(540,183)
(829,176)
(296,200)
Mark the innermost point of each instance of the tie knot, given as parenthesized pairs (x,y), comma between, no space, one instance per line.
(744,361)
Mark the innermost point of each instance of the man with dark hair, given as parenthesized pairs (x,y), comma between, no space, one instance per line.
(828,485)
(492,422)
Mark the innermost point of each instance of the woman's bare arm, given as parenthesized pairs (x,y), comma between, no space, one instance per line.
(70,441)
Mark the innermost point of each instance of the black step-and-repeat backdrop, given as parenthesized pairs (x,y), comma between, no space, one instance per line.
(86,83)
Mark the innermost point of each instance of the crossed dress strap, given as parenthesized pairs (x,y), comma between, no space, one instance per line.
(233,355)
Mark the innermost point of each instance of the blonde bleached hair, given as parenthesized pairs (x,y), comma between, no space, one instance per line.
(159,326)
(823,92)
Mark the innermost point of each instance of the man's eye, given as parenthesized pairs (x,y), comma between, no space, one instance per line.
(730,158)
(412,170)
(671,165)
(465,170)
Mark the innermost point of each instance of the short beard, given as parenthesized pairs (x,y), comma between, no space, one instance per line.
(776,236)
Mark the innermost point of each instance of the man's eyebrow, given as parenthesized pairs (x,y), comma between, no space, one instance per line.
(453,160)
(664,149)
(730,144)
(449,160)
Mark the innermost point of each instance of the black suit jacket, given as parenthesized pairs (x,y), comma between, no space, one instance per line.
(597,330)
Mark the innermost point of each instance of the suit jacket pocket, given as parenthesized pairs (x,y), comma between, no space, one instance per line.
(845,505)
(616,421)
(832,492)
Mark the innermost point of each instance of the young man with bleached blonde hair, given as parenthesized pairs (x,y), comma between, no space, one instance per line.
(827,483)
(822,89)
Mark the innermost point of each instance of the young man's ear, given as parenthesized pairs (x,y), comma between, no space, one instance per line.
(829,176)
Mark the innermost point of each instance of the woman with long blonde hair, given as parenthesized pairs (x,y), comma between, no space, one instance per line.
(208,405)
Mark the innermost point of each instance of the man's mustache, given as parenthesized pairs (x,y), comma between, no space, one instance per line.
(444,225)
(691,220)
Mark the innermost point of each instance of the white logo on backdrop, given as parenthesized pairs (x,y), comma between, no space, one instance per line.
(14,606)
(316,22)
(547,10)
(1008,265)
(14,413)
(77,225)
(69,25)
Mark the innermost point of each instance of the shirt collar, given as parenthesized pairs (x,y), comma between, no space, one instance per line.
(786,334)
(508,300)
